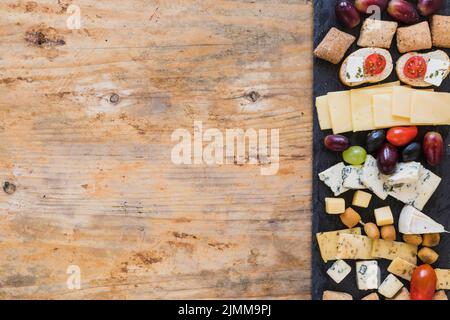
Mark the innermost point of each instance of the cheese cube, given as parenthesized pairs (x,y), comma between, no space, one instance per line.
(443,279)
(334,205)
(368,275)
(392,249)
(384,216)
(334,295)
(361,199)
(339,270)
(372,296)
(402,268)
(390,286)
(352,246)
(328,242)
(402,295)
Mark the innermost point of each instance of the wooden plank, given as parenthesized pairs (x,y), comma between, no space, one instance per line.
(86,118)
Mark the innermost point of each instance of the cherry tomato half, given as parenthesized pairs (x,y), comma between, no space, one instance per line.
(401,136)
(375,64)
(415,68)
(423,283)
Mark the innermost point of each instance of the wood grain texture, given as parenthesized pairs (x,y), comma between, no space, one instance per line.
(95,183)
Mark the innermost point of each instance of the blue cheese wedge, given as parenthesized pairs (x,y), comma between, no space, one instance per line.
(354,71)
(352,177)
(406,172)
(373,179)
(368,275)
(436,71)
(390,286)
(412,221)
(339,270)
(332,177)
(417,194)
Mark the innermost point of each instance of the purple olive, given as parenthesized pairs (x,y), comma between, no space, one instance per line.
(428,7)
(347,14)
(387,159)
(403,11)
(363,5)
(336,143)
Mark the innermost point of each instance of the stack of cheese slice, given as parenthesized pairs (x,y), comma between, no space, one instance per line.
(382,106)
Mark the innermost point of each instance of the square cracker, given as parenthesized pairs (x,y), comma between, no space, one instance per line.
(377,33)
(414,38)
(334,46)
(440,26)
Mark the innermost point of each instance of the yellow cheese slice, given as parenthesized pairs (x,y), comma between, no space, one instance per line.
(393,249)
(340,112)
(361,107)
(353,246)
(401,101)
(323,112)
(382,112)
(402,268)
(327,242)
(430,108)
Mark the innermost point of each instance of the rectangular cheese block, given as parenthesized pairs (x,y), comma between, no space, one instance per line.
(361,107)
(335,295)
(383,216)
(328,242)
(353,246)
(340,111)
(430,108)
(392,249)
(333,178)
(334,205)
(323,113)
(373,179)
(368,275)
(382,112)
(443,279)
(402,268)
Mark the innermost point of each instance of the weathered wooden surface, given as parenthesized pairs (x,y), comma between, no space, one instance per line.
(95,184)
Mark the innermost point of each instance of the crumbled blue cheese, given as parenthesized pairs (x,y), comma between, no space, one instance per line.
(339,270)
(408,172)
(417,194)
(332,177)
(352,177)
(368,275)
(354,71)
(373,179)
(436,71)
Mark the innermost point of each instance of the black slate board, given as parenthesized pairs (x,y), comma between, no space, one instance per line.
(326,80)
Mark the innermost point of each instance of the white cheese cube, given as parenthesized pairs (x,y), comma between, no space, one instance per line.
(384,216)
(390,286)
(334,205)
(361,199)
(354,71)
(339,270)
(436,70)
(368,275)
(352,177)
(373,179)
(332,177)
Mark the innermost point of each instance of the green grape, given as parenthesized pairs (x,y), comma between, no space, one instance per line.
(355,155)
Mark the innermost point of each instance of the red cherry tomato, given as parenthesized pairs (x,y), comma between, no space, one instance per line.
(401,136)
(423,283)
(375,64)
(415,68)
